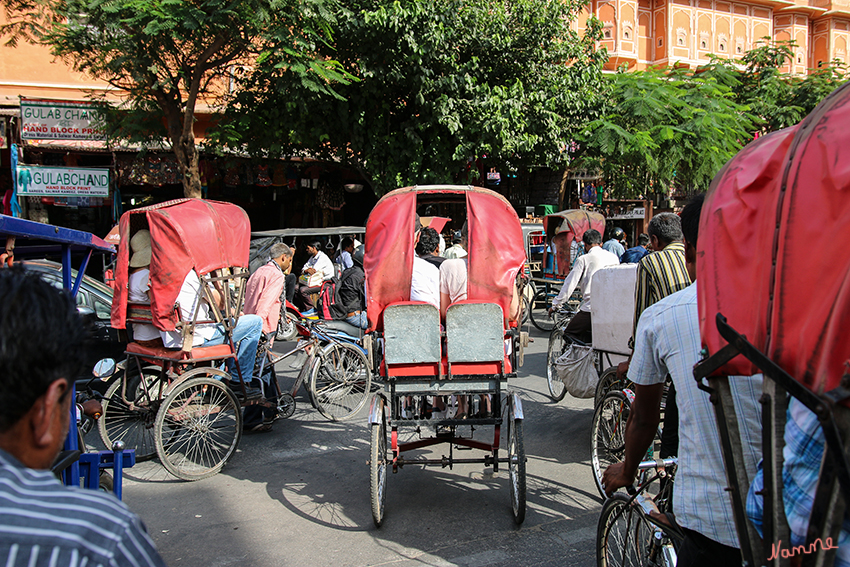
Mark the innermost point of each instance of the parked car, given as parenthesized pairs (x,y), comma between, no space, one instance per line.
(94,300)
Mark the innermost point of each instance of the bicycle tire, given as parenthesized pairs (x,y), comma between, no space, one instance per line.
(378,469)
(539,311)
(340,381)
(608,382)
(516,470)
(607,434)
(134,426)
(557,344)
(198,426)
(624,537)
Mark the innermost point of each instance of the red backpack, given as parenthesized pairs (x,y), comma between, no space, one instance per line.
(328,306)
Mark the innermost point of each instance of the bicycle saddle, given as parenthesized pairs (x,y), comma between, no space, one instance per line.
(343,327)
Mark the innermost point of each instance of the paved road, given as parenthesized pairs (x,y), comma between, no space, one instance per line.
(299,495)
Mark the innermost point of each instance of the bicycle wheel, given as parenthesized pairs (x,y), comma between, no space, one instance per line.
(378,468)
(607,434)
(198,426)
(609,382)
(340,381)
(539,311)
(624,537)
(133,422)
(516,469)
(557,389)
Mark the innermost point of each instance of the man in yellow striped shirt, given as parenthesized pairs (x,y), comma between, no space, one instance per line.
(659,274)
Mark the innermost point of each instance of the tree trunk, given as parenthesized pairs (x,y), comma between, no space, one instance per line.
(189,168)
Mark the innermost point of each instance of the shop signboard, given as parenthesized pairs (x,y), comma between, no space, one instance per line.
(58,120)
(43,180)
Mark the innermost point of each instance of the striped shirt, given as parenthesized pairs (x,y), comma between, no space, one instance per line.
(802,456)
(668,341)
(658,275)
(43,523)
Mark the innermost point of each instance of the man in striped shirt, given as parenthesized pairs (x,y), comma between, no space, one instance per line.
(660,274)
(42,343)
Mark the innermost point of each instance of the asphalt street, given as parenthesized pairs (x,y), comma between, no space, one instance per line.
(299,495)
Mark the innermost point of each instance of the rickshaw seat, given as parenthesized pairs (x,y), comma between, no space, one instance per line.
(197,354)
(475,338)
(412,334)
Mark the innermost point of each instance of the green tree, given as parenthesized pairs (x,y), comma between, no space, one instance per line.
(779,99)
(664,127)
(166,56)
(440,82)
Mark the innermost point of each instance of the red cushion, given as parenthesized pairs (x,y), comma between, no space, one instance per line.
(216,351)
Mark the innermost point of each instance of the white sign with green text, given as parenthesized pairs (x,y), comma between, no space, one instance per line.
(62,181)
(58,120)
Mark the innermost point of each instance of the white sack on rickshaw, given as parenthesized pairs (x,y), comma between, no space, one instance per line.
(576,370)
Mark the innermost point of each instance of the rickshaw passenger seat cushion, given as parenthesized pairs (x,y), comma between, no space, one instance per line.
(475,332)
(222,351)
(412,334)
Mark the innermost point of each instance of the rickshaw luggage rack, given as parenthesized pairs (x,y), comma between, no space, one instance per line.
(768,196)
(469,357)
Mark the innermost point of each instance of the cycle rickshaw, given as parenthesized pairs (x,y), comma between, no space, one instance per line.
(475,353)
(563,232)
(175,403)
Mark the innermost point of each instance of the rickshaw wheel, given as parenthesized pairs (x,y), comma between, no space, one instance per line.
(557,389)
(340,381)
(378,469)
(609,382)
(135,427)
(198,426)
(285,405)
(516,469)
(607,434)
(539,311)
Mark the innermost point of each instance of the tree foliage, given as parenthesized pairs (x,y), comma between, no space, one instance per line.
(677,127)
(166,56)
(661,127)
(440,82)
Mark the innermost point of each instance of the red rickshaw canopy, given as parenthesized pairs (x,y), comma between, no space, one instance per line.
(564,227)
(186,234)
(771,256)
(496,249)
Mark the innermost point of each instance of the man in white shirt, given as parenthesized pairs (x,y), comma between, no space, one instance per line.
(425,278)
(581,275)
(319,263)
(246,333)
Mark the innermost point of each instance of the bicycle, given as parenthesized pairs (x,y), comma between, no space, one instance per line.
(608,433)
(637,529)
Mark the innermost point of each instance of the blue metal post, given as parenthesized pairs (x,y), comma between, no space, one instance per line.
(117,468)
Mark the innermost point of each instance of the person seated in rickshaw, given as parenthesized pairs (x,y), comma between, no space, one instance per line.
(454,276)
(425,278)
(428,247)
(352,291)
(138,287)
(319,263)
(245,335)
